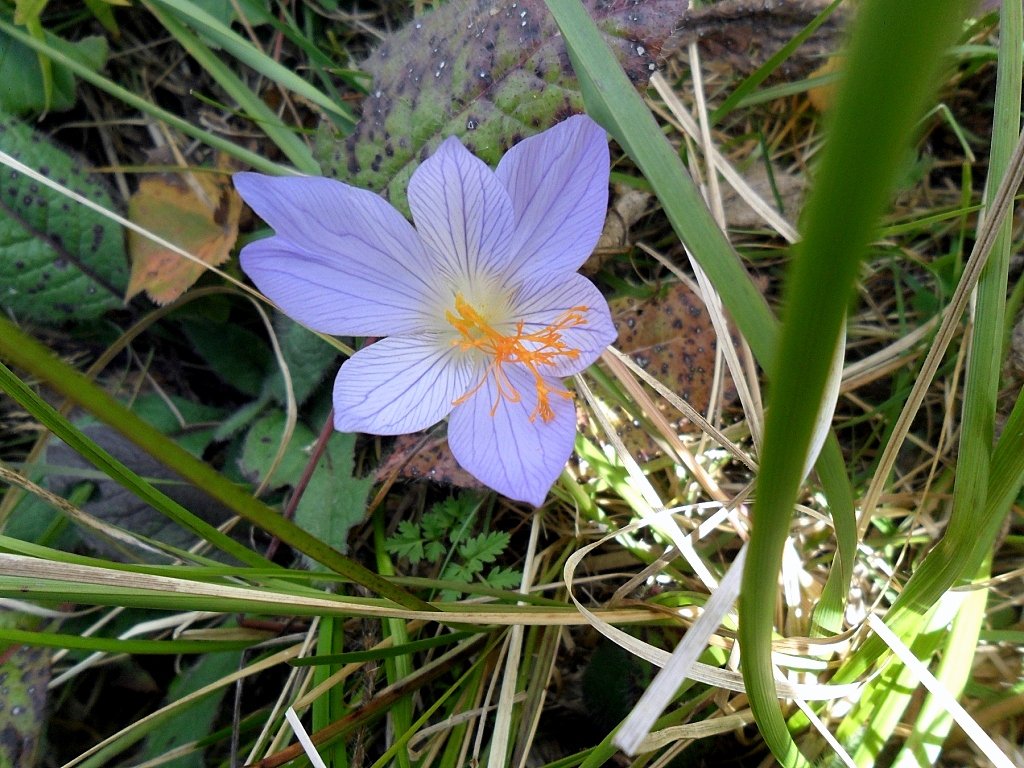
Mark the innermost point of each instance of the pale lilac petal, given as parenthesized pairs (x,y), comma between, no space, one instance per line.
(541,304)
(343,260)
(558,182)
(401,384)
(462,213)
(507,451)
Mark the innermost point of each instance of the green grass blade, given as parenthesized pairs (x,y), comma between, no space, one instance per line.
(892,68)
(933,721)
(397,667)
(745,88)
(116,645)
(953,558)
(828,613)
(613,101)
(28,354)
(115,470)
(252,159)
(284,137)
(245,52)
(972,529)
(985,361)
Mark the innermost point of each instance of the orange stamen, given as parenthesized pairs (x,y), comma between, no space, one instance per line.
(543,347)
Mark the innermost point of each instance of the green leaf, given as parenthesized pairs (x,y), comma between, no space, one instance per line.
(434,551)
(254,11)
(504,578)
(334,500)
(463,572)
(309,358)
(489,74)
(406,542)
(261,445)
(157,411)
(20,72)
(60,260)
(25,672)
(238,357)
(197,720)
(484,547)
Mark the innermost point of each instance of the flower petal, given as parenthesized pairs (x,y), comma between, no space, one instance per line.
(462,213)
(558,182)
(507,451)
(401,384)
(343,261)
(541,304)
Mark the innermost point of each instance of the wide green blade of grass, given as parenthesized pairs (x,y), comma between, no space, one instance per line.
(28,354)
(892,68)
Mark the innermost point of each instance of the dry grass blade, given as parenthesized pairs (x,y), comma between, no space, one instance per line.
(23,567)
(704,673)
(689,126)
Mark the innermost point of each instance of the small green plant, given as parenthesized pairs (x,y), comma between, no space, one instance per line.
(441,537)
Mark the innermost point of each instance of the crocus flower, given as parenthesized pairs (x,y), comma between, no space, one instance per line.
(481,306)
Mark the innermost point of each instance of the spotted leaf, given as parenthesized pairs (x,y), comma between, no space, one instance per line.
(60,260)
(490,73)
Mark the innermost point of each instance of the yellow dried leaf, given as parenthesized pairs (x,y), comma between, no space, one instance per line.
(199,214)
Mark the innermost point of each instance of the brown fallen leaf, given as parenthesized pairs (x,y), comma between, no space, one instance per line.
(200,217)
(422,456)
(670,336)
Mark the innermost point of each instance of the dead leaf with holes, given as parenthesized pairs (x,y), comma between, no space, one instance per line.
(198,212)
(670,336)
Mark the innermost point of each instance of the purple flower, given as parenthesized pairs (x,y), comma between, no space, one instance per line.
(481,304)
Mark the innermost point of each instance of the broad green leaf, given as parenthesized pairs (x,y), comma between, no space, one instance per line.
(60,260)
(261,445)
(334,500)
(25,674)
(489,74)
(23,89)
(309,358)
(197,720)
(236,355)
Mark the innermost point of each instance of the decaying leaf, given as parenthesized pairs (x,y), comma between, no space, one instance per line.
(670,336)
(783,190)
(489,72)
(425,457)
(198,212)
(741,35)
(24,676)
(627,207)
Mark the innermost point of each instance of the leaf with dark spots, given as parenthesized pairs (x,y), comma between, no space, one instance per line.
(422,456)
(670,336)
(60,261)
(492,73)
(24,676)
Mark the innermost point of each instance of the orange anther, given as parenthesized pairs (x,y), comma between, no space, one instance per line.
(543,347)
